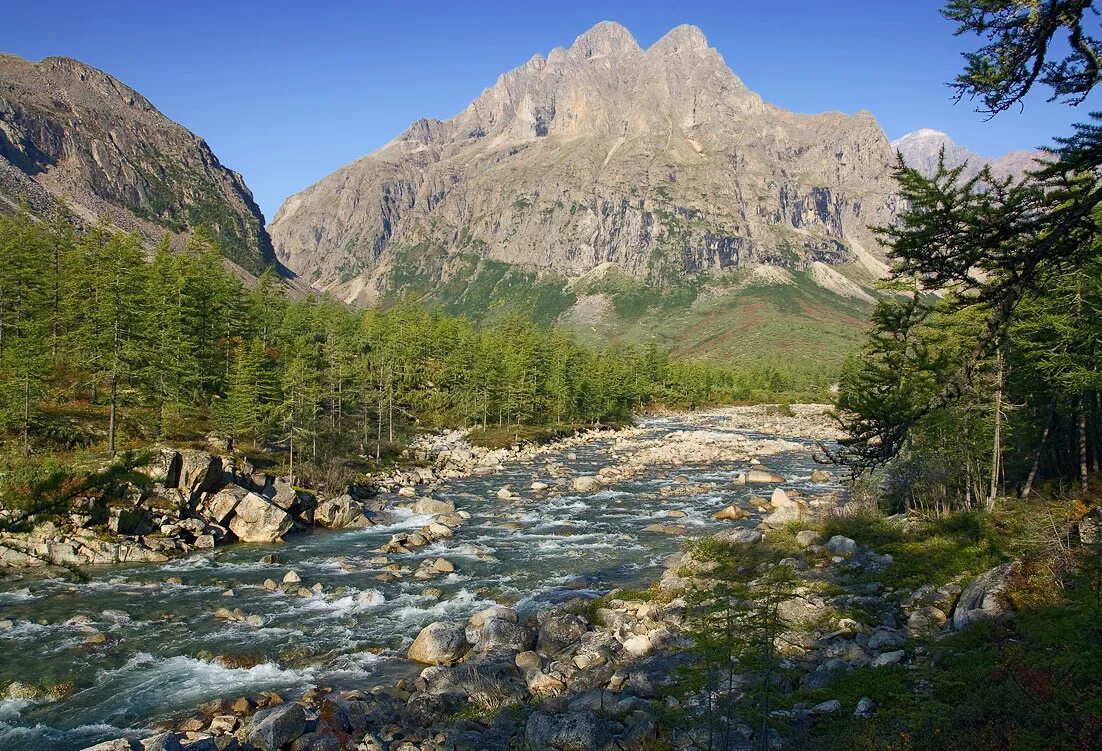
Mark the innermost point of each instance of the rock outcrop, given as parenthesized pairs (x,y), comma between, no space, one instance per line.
(72,134)
(603,156)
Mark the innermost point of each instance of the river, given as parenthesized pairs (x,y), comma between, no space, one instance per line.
(165,652)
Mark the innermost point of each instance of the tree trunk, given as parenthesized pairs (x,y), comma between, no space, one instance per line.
(996,449)
(27,414)
(1033,470)
(1082,446)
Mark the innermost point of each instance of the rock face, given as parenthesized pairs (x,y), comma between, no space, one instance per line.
(257,520)
(920,149)
(71,133)
(600,158)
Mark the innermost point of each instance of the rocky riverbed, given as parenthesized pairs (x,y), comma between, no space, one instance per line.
(490,606)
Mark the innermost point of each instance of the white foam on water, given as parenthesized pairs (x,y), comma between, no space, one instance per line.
(463,603)
(147,683)
(358,601)
(17,595)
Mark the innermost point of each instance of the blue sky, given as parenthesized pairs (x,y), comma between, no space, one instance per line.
(286,92)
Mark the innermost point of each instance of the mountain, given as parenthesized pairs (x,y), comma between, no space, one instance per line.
(921,148)
(603,180)
(72,134)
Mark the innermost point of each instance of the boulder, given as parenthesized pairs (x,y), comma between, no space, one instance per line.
(821,476)
(282,493)
(665,529)
(984,598)
(257,520)
(889,658)
(780,499)
(558,631)
(568,731)
(731,513)
(218,507)
(341,513)
(783,516)
(119,744)
(200,472)
(271,729)
(762,475)
(807,537)
(586,484)
(439,643)
(840,545)
(432,506)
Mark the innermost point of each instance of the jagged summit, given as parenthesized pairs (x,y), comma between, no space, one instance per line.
(683,38)
(605,38)
(660,162)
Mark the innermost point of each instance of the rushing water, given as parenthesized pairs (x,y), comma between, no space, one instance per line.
(163,639)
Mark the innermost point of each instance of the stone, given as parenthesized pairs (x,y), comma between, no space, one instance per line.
(984,598)
(432,506)
(866,708)
(569,731)
(161,742)
(807,537)
(741,536)
(840,545)
(762,475)
(889,658)
(827,707)
(783,516)
(731,513)
(291,577)
(200,472)
(526,661)
(341,513)
(539,486)
(257,520)
(439,643)
(819,476)
(120,744)
(559,631)
(271,729)
(586,484)
(665,529)
(219,506)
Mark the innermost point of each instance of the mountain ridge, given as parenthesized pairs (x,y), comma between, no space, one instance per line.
(598,153)
(73,135)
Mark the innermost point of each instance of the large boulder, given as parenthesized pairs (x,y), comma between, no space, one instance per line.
(984,598)
(200,472)
(271,729)
(569,731)
(559,631)
(257,520)
(218,507)
(586,484)
(439,643)
(341,513)
(432,506)
(498,629)
(762,475)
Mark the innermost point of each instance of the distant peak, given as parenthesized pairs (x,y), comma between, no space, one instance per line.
(924,133)
(606,38)
(683,38)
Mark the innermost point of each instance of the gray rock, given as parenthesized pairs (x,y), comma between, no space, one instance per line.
(827,707)
(341,513)
(558,631)
(984,598)
(866,708)
(889,658)
(120,744)
(439,643)
(271,729)
(257,520)
(570,731)
(840,545)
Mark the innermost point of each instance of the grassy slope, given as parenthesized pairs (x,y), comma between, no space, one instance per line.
(800,322)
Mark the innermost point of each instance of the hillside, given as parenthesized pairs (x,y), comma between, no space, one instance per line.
(71,134)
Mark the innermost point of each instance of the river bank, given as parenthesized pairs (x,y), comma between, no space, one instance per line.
(532,543)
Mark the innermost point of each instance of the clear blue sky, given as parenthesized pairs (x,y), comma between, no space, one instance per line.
(286,92)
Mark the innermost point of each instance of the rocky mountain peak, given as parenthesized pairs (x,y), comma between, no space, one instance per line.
(683,38)
(922,148)
(662,164)
(607,38)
